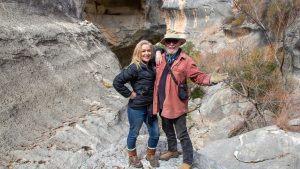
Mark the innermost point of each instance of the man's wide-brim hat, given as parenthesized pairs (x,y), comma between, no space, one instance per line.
(180,38)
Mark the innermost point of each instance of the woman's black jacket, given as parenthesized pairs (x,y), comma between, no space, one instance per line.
(141,80)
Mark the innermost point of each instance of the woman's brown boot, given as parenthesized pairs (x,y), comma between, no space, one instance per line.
(151,157)
(133,159)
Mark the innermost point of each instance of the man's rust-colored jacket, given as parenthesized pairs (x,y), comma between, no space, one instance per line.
(183,68)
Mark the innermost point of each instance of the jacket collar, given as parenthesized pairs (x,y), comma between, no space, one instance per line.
(181,56)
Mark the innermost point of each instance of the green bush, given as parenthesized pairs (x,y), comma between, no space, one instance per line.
(238,21)
(254,75)
(197,92)
(190,49)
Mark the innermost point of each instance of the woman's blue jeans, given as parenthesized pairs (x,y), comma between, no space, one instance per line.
(136,118)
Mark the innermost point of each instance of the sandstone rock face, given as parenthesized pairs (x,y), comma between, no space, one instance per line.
(53,69)
(57,107)
(202,22)
(193,16)
(293,46)
(125,23)
(63,7)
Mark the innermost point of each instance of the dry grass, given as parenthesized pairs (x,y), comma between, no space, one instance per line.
(288,112)
(282,121)
(255,76)
(259,79)
(224,58)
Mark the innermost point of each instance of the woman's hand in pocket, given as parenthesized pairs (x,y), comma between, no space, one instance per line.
(133,95)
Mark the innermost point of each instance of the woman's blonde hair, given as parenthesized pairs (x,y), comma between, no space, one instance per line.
(137,53)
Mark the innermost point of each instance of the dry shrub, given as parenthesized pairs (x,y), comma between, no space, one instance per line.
(268,53)
(235,32)
(284,116)
(273,100)
(238,21)
(253,73)
(221,60)
(272,15)
(258,74)
(280,14)
(252,7)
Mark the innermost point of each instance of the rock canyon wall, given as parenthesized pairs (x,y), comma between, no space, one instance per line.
(58,108)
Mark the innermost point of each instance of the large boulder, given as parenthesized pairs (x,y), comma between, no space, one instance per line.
(221,114)
(264,148)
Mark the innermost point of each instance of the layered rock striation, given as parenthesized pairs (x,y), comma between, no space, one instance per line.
(53,69)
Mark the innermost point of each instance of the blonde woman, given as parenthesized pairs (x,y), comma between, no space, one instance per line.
(141,76)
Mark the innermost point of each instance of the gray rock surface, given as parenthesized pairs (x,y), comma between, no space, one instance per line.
(203,24)
(58,109)
(71,8)
(52,70)
(263,148)
(221,114)
(292,40)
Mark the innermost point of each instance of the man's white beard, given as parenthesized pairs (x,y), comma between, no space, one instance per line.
(173,51)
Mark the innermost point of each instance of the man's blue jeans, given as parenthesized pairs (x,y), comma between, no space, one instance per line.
(136,118)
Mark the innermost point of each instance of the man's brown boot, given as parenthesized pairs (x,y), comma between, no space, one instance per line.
(185,166)
(133,159)
(169,154)
(151,157)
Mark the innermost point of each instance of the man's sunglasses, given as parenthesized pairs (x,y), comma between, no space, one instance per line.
(169,41)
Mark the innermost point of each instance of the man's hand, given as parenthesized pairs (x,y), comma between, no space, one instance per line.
(158,57)
(218,77)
